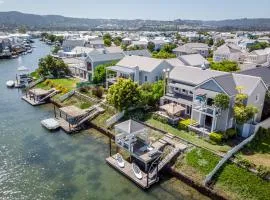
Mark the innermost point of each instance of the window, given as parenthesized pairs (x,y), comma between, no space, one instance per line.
(156,78)
(190,92)
(184,91)
(145,78)
(257,98)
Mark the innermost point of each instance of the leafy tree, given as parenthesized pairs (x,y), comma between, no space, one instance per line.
(56,49)
(210,42)
(107,42)
(163,55)
(242,112)
(266,107)
(258,45)
(100,72)
(22,29)
(150,93)
(124,47)
(117,41)
(220,43)
(168,48)
(222,101)
(107,36)
(135,47)
(151,46)
(52,66)
(123,94)
(225,66)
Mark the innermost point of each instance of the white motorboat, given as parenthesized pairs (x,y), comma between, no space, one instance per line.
(120,160)
(137,171)
(29,50)
(10,83)
(50,124)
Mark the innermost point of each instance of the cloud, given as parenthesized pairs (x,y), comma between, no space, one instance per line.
(1,2)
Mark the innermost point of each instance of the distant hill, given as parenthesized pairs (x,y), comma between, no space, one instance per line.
(13,19)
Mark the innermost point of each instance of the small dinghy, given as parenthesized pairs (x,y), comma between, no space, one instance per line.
(50,124)
(10,83)
(120,160)
(137,171)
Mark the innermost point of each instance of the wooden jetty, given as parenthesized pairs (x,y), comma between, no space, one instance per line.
(38,96)
(145,182)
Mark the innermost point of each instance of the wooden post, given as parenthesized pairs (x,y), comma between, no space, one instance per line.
(147,177)
(110,145)
(54,111)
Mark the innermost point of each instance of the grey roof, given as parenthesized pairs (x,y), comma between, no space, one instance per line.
(194,60)
(105,57)
(144,63)
(191,47)
(143,52)
(130,126)
(227,83)
(175,62)
(113,49)
(193,75)
(96,42)
(263,72)
(230,82)
(73,43)
(125,70)
(227,49)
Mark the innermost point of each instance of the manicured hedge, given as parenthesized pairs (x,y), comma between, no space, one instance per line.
(183,124)
(216,137)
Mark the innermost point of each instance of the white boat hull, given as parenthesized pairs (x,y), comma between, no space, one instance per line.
(120,161)
(136,171)
(10,83)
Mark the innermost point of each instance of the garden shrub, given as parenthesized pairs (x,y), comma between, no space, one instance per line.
(97,91)
(230,133)
(84,89)
(137,114)
(183,124)
(157,117)
(216,137)
(263,172)
(246,163)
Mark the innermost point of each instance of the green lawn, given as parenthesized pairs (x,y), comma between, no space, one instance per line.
(193,138)
(68,83)
(258,151)
(232,181)
(242,184)
(101,119)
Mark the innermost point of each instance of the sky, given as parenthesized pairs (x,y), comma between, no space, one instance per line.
(144,9)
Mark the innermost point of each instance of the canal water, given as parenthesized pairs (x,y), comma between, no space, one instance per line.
(36,164)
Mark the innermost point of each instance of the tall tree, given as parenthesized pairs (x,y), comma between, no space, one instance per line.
(123,94)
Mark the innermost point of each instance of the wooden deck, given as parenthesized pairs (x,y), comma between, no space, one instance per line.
(65,125)
(32,102)
(128,172)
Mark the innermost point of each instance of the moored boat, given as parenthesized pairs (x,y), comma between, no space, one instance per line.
(120,160)
(137,171)
(10,83)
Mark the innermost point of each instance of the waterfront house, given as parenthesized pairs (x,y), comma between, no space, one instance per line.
(180,85)
(77,67)
(192,48)
(139,69)
(210,118)
(227,52)
(93,60)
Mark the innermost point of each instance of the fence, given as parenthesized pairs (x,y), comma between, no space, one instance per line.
(114,118)
(264,124)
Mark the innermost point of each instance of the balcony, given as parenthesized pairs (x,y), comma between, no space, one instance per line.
(205,109)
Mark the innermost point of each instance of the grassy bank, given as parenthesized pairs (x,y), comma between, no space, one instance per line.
(232,181)
(67,83)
